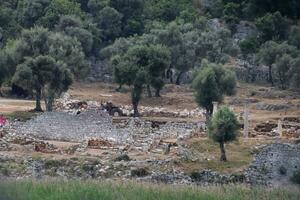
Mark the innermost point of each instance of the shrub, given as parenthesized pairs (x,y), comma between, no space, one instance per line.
(282,170)
(295,178)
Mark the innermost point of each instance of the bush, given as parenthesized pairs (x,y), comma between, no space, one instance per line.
(295,178)
(282,170)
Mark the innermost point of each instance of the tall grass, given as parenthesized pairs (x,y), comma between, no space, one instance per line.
(76,190)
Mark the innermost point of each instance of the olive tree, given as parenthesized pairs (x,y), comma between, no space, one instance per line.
(294,74)
(282,67)
(141,66)
(211,83)
(3,69)
(61,52)
(109,21)
(45,76)
(129,69)
(72,26)
(223,128)
(294,36)
(159,60)
(273,26)
(270,51)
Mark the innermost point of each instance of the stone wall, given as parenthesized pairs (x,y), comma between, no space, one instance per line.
(274,164)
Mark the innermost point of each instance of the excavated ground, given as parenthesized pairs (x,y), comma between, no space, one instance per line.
(168,142)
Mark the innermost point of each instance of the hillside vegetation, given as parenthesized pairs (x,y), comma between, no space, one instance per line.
(48,44)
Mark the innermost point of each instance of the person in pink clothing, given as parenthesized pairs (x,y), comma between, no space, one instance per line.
(2,121)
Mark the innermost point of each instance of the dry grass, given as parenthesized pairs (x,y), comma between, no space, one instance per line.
(239,155)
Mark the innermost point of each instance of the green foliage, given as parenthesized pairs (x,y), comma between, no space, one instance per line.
(166,10)
(43,74)
(214,8)
(141,65)
(273,26)
(294,74)
(132,12)
(30,11)
(282,68)
(272,51)
(249,45)
(109,21)
(294,36)
(92,190)
(223,128)
(58,8)
(295,178)
(95,5)
(232,13)
(9,27)
(72,26)
(3,67)
(287,8)
(211,83)
(101,29)
(42,56)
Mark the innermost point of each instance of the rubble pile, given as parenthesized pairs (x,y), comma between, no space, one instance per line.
(66,104)
(164,112)
(4,145)
(59,125)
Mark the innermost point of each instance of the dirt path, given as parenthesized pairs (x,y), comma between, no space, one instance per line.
(11,105)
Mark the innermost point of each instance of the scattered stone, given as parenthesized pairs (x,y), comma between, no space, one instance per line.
(265,127)
(98,143)
(122,157)
(4,146)
(45,147)
(139,172)
(271,107)
(76,148)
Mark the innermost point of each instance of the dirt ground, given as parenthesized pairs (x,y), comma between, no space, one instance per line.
(177,97)
(8,105)
(181,97)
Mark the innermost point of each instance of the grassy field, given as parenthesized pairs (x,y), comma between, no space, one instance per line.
(56,190)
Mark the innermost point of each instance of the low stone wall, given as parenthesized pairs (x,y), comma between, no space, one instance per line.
(274,165)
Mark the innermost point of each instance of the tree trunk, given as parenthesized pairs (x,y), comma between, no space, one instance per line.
(49,104)
(135,110)
(135,98)
(208,114)
(38,97)
(149,91)
(223,153)
(119,88)
(270,76)
(157,93)
(170,74)
(178,78)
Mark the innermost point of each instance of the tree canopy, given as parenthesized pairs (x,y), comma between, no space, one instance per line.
(211,83)
(140,66)
(223,128)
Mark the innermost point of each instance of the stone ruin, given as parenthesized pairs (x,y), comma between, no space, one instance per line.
(274,164)
(97,129)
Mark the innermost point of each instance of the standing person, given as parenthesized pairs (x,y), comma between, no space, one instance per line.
(2,121)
